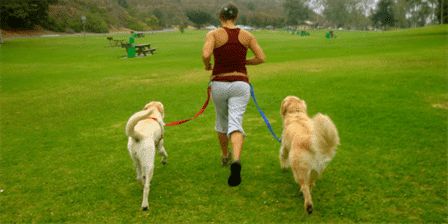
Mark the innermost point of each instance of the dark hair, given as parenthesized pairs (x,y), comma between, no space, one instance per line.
(229,11)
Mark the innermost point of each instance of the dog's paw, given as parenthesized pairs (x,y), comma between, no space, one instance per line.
(163,161)
(309,209)
(145,206)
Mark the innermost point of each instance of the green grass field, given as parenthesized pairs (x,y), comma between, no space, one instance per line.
(65,103)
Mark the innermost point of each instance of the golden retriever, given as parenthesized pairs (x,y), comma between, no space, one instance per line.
(145,132)
(307,144)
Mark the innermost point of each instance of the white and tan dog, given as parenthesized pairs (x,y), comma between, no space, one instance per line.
(145,132)
(307,144)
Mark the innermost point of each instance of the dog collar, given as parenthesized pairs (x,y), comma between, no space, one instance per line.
(160,123)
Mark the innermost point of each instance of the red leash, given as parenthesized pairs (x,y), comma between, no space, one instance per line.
(199,113)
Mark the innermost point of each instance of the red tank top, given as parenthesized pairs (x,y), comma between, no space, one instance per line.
(230,57)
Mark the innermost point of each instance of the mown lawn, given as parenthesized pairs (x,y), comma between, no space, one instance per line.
(65,103)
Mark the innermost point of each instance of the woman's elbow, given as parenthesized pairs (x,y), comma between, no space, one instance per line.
(206,56)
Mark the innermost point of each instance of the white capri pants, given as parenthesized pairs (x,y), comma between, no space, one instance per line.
(230,100)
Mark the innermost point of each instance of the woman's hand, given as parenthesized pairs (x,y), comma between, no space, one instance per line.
(209,67)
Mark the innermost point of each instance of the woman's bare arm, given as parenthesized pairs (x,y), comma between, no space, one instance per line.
(259,55)
(207,51)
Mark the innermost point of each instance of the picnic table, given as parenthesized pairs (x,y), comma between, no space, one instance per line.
(119,40)
(140,48)
(110,41)
(144,48)
(138,35)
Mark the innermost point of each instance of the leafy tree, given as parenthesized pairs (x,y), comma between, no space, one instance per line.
(338,12)
(296,11)
(242,19)
(251,6)
(442,9)
(384,14)
(400,11)
(198,17)
(123,3)
(160,16)
(423,13)
(24,14)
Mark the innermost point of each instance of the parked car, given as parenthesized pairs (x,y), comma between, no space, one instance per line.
(210,27)
(245,27)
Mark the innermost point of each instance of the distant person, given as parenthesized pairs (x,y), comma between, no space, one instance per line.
(230,83)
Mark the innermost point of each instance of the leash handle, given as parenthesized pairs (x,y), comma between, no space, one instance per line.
(199,113)
(252,93)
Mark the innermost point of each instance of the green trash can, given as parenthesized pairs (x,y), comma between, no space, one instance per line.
(131,50)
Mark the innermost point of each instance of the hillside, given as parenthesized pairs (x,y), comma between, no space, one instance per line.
(109,15)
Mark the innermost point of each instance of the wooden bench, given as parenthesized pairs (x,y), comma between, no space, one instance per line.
(151,50)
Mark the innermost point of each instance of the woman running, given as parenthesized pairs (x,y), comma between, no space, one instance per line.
(230,83)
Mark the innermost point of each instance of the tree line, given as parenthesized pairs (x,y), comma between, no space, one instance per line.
(355,14)
(358,14)
(386,13)
(25,14)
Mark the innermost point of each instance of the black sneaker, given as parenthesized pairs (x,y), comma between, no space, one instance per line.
(235,174)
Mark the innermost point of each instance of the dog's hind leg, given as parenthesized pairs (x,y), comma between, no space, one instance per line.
(300,169)
(138,169)
(313,176)
(149,171)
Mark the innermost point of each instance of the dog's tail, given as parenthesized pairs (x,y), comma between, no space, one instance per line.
(325,135)
(132,122)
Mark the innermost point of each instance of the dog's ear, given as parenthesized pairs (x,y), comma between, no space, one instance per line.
(284,107)
(161,109)
(148,105)
(304,105)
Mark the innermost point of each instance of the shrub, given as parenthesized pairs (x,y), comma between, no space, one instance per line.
(133,24)
(53,25)
(198,17)
(94,23)
(153,23)
(182,27)
(76,26)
